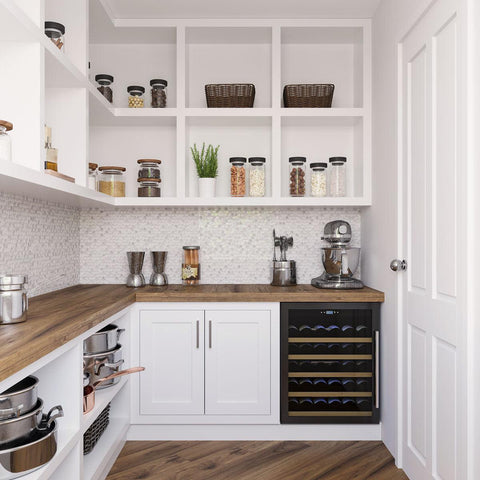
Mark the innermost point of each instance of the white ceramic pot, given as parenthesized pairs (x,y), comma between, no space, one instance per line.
(206,187)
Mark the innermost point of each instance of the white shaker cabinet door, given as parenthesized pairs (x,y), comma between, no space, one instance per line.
(237,362)
(172,352)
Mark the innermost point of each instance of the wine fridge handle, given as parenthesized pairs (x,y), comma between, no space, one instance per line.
(209,334)
(198,333)
(377,369)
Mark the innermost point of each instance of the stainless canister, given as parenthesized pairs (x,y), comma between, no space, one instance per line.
(13,299)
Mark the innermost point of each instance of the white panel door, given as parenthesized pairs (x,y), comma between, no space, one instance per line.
(237,362)
(172,352)
(432,225)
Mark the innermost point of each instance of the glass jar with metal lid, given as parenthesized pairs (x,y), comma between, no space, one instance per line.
(5,141)
(149,187)
(318,179)
(297,176)
(159,92)
(13,299)
(238,180)
(56,33)
(112,181)
(257,176)
(135,96)
(149,168)
(92,176)
(338,176)
(105,81)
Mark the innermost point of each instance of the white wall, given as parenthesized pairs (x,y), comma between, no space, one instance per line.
(380,229)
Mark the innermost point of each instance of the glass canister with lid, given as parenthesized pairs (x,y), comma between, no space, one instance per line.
(338,176)
(149,187)
(92,176)
(238,180)
(318,179)
(112,181)
(105,81)
(191,265)
(297,176)
(135,96)
(149,168)
(5,141)
(257,176)
(159,92)
(56,33)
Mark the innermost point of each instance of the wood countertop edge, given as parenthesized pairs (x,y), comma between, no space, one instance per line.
(54,321)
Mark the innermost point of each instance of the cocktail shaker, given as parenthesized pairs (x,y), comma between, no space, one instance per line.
(159,277)
(135,263)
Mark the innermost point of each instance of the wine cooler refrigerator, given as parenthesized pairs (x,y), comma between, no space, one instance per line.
(330,363)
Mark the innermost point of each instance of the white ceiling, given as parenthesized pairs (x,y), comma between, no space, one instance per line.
(241,8)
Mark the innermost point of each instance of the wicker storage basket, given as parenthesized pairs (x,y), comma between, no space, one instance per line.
(95,431)
(308,95)
(230,95)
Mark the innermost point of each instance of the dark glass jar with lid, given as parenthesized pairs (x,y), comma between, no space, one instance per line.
(238,181)
(159,92)
(56,33)
(149,187)
(105,81)
(297,176)
(148,168)
(135,96)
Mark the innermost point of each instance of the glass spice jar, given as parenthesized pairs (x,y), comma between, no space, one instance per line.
(135,96)
(257,176)
(5,141)
(238,181)
(191,265)
(105,81)
(338,177)
(297,176)
(92,176)
(149,168)
(149,187)
(56,33)
(112,181)
(318,180)
(159,92)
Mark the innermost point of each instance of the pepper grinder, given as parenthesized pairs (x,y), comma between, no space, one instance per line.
(284,272)
(135,263)
(159,277)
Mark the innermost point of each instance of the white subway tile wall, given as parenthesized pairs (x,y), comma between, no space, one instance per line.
(41,240)
(236,243)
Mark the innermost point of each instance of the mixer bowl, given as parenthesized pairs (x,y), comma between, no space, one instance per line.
(340,262)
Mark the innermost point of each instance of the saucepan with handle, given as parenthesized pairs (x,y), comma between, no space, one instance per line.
(89,390)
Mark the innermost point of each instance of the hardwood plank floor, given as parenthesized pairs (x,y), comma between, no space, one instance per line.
(255,461)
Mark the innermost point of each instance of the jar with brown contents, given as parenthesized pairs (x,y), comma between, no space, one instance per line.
(149,187)
(191,265)
(148,168)
(56,33)
(238,181)
(105,81)
(159,92)
(297,176)
(112,181)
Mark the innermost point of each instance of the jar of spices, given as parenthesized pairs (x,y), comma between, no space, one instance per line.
(191,265)
(148,168)
(338,177)
(318,179)
(297,176)
(238,181)
(149,187)
(135,96)
(159,93)
(56,33)
(5,141)
(112,181)
(257,176)
(105,81)
(92,176)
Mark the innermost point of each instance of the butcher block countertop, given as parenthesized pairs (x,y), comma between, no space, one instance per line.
(56,318)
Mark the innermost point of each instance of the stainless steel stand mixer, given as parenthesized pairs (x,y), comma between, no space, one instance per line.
(284,272)
(339,260)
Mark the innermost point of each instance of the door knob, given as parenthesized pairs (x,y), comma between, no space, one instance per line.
(398,265)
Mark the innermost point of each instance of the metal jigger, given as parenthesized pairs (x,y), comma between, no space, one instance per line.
(159,277)
(135,264)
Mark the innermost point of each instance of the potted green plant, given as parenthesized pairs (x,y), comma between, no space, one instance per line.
(206,163)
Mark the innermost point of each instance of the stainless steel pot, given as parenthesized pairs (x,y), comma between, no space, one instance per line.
(13,299)
(100,365)
(19,399)
(22,457)
(104,340)
(22,426)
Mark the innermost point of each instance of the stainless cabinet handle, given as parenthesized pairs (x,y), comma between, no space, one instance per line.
(198,333)
(377,369)
(210,334)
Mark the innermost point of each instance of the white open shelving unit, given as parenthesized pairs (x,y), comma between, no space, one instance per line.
(189,54)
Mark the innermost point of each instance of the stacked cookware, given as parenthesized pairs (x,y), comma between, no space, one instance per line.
(28,437)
